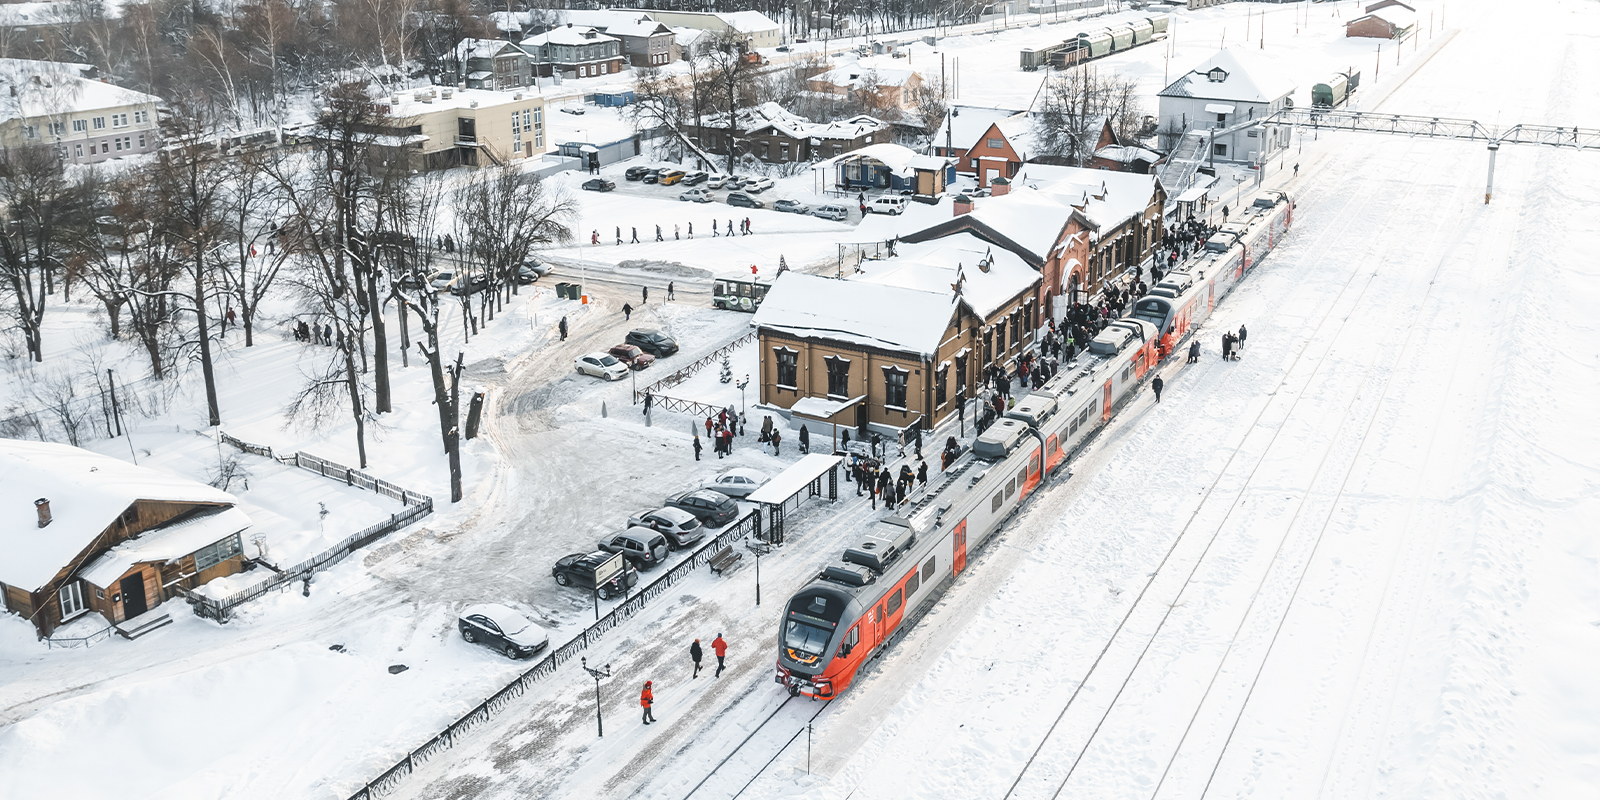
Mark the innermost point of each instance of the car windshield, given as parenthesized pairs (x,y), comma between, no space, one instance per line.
(808,639)
(606,361)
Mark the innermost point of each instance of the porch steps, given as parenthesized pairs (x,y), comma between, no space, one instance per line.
(143,624)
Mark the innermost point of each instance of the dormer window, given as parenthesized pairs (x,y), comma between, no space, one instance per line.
(1217,75)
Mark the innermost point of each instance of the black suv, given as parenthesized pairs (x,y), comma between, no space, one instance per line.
(601,184)
(636,173)
(743,200)
(578,570)
(713,508)
(652,341)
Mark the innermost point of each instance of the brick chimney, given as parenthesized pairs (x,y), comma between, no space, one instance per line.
(42,505)
(999,187)
(963,205)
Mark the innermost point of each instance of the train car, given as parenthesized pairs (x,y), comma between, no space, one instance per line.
(1094,44)
(1121,38)
(1143,31)
(1331,94)
(1159,24)
(852,611)
(1072,51)
(1031,59)
(1354,78)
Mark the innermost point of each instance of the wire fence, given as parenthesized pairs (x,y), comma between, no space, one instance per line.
(689,370)
(417,506)
(52,642)
(749,525)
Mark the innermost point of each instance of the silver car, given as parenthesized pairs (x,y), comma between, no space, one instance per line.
(833,212)
(680,527)
(642,547)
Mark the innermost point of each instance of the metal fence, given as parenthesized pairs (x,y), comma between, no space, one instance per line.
(683,374)
(749,525)
(52,642)
(417,506)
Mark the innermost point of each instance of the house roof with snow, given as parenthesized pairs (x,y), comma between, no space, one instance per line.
(46,88)
(616,23)
(854,76)
(165,544)
(748,21)
(1399,17)
(87,493)
(964,124)
(989,277)
(881,315)
(1106,198)
(569,35)
(24,15)
(1231,77)
(485,48)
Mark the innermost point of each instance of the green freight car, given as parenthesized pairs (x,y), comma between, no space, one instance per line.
(1095,44)
(1143,31)
(1159,24)
(1330,94)
(1121,38)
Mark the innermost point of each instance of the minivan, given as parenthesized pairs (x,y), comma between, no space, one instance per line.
(671,176)
(887,204)
(642,547)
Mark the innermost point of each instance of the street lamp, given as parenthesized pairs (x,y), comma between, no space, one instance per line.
(597,675)
(743,382)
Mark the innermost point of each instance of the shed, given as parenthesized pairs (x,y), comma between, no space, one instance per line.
(614,99)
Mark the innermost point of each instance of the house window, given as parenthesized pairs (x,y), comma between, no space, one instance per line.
(99,123)
(1222,119)
(961,373)
(939,377)
(217,552)
(1000,337)
(894,388)
(30,132)
(788,367)
(838,376)
(119,120)
(58,128)
(71,597)
(80,125)
(77,151)
(141,141)
(1219,149)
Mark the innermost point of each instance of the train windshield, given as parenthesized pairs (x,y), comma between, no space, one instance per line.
(803,638)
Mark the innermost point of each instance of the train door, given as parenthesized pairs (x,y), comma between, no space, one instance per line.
(1105,403)
(958,558)
(1052,450)
(1211,297)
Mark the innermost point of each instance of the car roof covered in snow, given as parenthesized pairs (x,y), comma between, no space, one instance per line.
(87,492)
(509,619)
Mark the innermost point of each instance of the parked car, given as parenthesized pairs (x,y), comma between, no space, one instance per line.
(717,181)
(680,527)
(578,570)
(632,356)
(526,274)
(636,173)
(653,176)
(791,206)
(834,212)
(601,365)
(887,204)
(599,185)
(500,628)
(575,110)
(693,177)
(443,281)
(744,201)
(417,280)
(783,48)
(469,285)
(539,267)
(671,176)
(715,509)
(758,185)
(652,341)
(643,547)
(738,482)
(698,195)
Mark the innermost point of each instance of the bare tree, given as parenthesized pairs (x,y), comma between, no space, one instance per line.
(131,268)
(253,205)
(504,215)
(40,209)
(1077,103)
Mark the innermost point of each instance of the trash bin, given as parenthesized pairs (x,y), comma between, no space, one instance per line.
(565,291)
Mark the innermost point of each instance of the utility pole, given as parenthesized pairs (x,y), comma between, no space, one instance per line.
(1488,192)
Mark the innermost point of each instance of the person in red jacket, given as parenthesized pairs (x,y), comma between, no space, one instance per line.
(645,699)
(720,647)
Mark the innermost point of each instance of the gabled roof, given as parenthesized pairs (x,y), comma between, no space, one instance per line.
(87,492)
(485,48)
(616,23)
(46,88)
(165,544)
(1240,79)
(877,315)
(568,35)
(1023,222)
(748,21)
(938,265)
(969,122)
(1108,198)
(1398,17)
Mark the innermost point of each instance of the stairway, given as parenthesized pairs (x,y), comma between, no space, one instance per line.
(143,624)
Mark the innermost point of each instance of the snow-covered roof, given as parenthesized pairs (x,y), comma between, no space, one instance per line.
(45,88)
(898,158)
(1398,17)
(772,115)
(854,76)
(861,312)
(1127,153)
(568,35)
(938,265)
(484,48)
(1020,131)
(1108,198)
(969,122)
(165,544)
(19,15)
(796,478)
(433,100)
(616,23)
(1241,79)
(688,37)
(748,21)
(87,492)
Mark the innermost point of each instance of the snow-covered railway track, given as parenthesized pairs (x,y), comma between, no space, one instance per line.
(755,753)
(1076,728)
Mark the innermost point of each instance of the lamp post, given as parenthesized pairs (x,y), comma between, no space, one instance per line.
(597,675)
(743,382)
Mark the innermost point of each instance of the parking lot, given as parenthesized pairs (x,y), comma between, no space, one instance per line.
(768,197)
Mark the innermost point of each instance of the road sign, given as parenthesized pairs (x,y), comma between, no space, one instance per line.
(610,568)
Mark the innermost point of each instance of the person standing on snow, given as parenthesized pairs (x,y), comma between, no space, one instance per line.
(658,233)
(1227,347)
(1156,385)
(1194,352)
(922,474)
(635,232)
(563,329)
(627,311)
(776,438)
(694,655)
(697,447)
(1239,345)
(805,440)
(646,290)
(719,647)
(619,234)
(647,698)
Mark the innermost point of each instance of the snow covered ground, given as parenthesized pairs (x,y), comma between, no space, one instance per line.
(1353,564)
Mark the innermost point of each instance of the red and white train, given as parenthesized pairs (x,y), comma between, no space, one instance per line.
(852,610)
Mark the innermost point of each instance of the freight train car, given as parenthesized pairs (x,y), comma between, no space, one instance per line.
(852,610)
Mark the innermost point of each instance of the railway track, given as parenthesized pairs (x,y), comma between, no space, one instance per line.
(750,758)
(1075,730)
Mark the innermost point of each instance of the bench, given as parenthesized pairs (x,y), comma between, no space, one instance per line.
(724,558)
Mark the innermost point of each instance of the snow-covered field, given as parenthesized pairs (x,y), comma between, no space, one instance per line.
(1354,564)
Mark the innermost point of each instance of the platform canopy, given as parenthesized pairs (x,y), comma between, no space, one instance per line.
(795,479)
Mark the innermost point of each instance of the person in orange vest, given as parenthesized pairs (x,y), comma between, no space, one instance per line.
(646,698)
(720,647)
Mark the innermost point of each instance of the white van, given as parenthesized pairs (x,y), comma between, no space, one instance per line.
(887,204)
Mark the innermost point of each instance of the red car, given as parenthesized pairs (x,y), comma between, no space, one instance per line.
(632,356)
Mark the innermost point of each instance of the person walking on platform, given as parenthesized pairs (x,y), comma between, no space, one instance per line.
(1239,345)
(1227,346)
(1194,352)
(719,647)
(694,655)
(1156,384)
(647,698)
